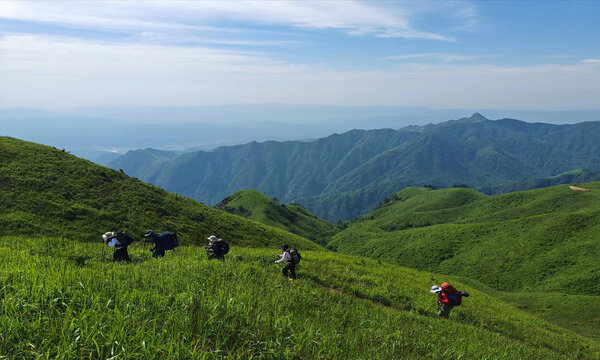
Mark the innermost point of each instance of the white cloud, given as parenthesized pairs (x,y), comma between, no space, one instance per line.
(591,61)
(56,72)
(445,57)
(353,17)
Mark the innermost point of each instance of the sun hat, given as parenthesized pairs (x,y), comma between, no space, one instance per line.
(435,289)
(212,238)
(108,235)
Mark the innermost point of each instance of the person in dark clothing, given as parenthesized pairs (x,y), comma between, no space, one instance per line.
(290,265)
(119,241)
(158,250)
(217,248)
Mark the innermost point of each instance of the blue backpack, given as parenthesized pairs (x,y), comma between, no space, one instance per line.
(168,240)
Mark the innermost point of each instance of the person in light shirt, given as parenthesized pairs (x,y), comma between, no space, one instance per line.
(119,241)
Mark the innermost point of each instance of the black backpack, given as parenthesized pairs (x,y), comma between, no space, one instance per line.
(221,246)
(168,240)
(296,257)
(123,238)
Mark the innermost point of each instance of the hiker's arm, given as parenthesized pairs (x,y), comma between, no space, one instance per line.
(284,257)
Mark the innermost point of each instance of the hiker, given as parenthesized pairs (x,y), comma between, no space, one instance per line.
(448,297)
(292,258)
(162,242)
(119,240)
(217,248)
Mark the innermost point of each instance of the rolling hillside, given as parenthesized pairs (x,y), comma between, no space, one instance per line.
(48,192)
(537,240)
(253,205)
(63,299)
(346,175)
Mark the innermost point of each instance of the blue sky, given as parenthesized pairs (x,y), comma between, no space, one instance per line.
(460,54)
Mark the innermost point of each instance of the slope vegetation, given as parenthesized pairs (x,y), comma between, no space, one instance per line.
(293,218)
(346,175)
(536,240)
(63,299)
(47,192)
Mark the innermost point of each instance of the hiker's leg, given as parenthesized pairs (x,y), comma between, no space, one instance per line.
(126,254)
(444,310)
(285,270)
(293,270)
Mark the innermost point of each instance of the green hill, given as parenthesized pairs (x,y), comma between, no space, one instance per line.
(536,240)
(63,299)
(48,192)
(346,175)
(293,218)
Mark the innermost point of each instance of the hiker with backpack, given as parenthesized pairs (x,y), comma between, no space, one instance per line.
(292,258)
(217,248)
(162,242)
(119,240)
(448,298)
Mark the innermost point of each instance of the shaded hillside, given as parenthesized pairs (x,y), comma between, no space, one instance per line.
(48,192)
(569,177)
(142,161)
(342,307)
(346,175)
(293,218)
(536,240)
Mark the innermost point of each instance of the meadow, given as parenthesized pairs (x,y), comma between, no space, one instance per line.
(66,299)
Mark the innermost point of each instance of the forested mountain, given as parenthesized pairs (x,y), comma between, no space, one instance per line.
(346,175)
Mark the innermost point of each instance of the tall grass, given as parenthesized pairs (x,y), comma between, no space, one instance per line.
(65,299)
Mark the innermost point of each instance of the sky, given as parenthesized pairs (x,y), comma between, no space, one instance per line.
(459,54)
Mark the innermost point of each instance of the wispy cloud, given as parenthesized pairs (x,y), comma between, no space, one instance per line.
(591,61)
(444,57)
(354,17)
(53,72)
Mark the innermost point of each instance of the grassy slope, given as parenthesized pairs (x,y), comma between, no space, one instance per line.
(64,299)
(44,191)
(293,218)
(537,240)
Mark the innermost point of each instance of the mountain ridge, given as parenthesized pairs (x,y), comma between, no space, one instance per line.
(345,175)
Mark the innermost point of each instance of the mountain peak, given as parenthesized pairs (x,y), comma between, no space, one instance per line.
(477,117)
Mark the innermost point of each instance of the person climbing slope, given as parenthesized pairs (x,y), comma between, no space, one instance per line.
(448,298)
(119,240)
(292,258)
(217,248)
(162,242)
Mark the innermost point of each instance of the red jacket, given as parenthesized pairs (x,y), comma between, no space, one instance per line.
(449,295)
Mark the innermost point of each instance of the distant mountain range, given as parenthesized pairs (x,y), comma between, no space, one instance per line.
(345,175)
(102,133)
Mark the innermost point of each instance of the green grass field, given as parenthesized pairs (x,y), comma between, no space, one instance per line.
(536,240)
(65,299)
